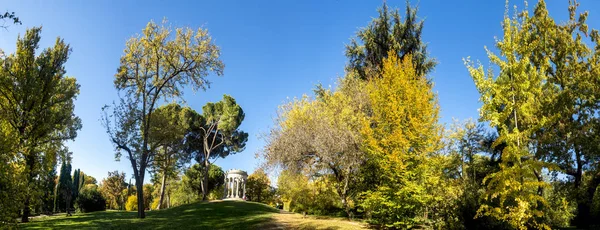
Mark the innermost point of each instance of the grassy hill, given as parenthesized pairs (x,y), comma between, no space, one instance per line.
(213,215)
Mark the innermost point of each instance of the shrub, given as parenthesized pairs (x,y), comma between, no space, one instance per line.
(90,200)
(131,204)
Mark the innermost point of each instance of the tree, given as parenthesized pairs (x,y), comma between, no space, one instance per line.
(148,190)
(89,180)
(258,186)
(155,66)
(65,184)
(113,186)
(48,181)
(511,104)
(388,33)
(215,134)
(39,119)
(403,138)
(322,137)
(172,124)
(90,200)
(570,98)
(196,178)
(78,179)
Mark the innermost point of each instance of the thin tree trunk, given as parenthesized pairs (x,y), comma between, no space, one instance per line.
(162,191)
(205,184)
(68,205)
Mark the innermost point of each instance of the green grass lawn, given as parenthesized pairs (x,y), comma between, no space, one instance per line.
(213,215)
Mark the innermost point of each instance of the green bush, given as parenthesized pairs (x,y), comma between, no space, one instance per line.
(90,200)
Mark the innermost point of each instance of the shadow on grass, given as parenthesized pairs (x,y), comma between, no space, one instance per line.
(214,215)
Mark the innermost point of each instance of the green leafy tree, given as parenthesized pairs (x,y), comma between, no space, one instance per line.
(172,124)
(65,184)
(258,186)
(90,200)
(39,119)
(112,187)
(195,178)
(156,66)
(48,181)
(181,193)
(78,179)
(388,33)
(216,134)
(570,102)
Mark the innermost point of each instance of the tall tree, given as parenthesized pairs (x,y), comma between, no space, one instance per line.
(216,134)
(77,183)
(388,33)
(65,184)
(403,138)
(511,104)
(570,98)
(45,117)
(155,66)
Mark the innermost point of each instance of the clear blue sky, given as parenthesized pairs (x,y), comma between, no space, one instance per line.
(273,50)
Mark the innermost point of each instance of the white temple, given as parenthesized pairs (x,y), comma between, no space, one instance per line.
(235,185)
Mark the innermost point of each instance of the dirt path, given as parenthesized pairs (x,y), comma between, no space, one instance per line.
(288,220)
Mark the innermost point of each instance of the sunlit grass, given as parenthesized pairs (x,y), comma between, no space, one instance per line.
(213,215)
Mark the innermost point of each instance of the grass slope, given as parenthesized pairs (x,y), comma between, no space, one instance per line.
(213,215)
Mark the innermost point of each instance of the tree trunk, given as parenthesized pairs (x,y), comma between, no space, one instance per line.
(140,197)
(30,161)
(68,205)
(584,208)
(205,184)
(26,211)
(162,191)
(139,184)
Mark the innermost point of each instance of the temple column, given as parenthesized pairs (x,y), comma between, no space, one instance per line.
(244,196)
(237,189)
(230,186)
(233,189)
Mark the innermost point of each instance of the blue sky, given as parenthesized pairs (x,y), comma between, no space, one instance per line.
(273,51)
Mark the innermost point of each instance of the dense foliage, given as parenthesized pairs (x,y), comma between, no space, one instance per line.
(258,187)
(90,200)
(195,179)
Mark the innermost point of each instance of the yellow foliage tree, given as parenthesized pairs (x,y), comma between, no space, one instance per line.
(131,204)
(403,138)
